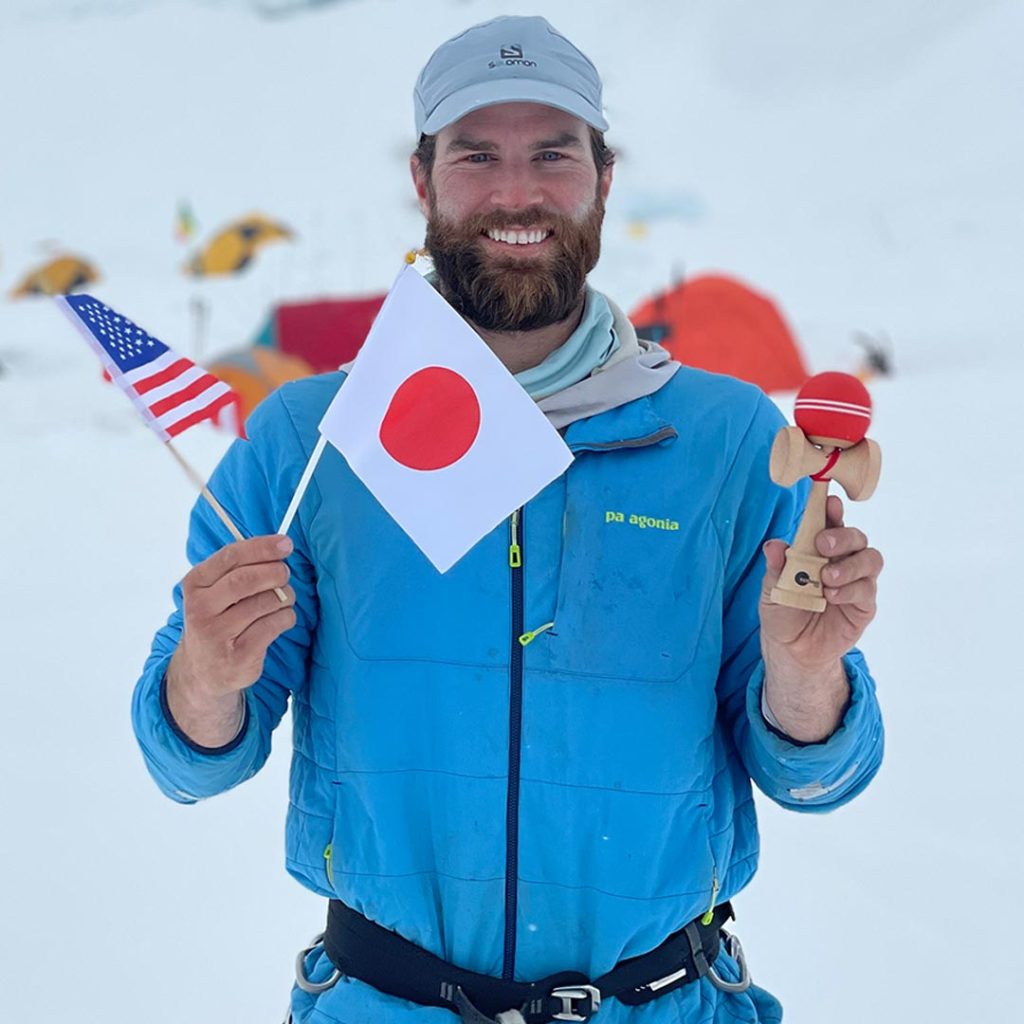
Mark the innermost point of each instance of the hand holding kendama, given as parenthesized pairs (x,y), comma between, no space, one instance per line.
(833,413)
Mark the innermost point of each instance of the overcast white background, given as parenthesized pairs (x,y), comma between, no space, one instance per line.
(861,163)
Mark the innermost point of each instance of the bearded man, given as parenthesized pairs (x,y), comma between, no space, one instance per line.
(524,786)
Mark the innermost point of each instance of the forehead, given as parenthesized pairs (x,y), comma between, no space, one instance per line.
(512,122)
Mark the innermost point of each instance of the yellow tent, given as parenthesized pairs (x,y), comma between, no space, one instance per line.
(232,248)
(58,276)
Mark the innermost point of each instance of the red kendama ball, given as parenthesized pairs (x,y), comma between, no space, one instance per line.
(835,405)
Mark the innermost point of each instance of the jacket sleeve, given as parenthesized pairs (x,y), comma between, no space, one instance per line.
(752,509)
(254,482)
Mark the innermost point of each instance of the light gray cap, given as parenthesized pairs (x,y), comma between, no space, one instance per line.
(506,60)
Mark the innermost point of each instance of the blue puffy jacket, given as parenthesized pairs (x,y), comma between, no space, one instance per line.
(558,803)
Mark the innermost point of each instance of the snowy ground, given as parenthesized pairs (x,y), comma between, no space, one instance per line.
(863,163)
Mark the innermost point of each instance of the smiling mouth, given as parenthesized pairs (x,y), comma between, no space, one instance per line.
(532,237)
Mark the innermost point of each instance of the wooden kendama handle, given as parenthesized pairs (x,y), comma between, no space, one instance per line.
(799,584)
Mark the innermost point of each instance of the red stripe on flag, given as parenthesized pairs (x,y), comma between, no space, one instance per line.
(172,371)
(230,417)
(206,413)
(193,390)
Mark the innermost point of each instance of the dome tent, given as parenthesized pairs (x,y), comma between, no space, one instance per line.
(717,323)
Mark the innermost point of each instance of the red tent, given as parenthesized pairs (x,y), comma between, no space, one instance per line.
(717,323)
(324,333)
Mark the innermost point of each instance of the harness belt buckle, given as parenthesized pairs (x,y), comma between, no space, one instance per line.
(570,994)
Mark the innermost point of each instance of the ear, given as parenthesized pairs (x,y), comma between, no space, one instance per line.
(420,182)
(604,183)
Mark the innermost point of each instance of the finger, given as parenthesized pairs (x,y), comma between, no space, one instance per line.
(840,541)
(834,511)
(866,564)
(255,640)
(270,548)
(775,561)
(245,582)
(861,594)
(239,617)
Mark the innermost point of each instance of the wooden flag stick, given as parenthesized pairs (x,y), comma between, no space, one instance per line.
(205,491)
(300,490)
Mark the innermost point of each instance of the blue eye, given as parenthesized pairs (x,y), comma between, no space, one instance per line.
(550,156)
(478,158)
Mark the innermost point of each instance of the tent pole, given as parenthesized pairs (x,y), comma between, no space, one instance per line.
(199,318)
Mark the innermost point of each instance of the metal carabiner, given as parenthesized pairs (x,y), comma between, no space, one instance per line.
(314,988)
(734,948)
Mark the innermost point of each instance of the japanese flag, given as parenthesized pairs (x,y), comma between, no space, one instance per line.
(437,428)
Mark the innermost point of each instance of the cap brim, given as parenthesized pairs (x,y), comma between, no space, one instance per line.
(511,90)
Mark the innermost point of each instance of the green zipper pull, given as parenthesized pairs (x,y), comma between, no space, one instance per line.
(710,915)
(515,554)
(534,633)
(330,867)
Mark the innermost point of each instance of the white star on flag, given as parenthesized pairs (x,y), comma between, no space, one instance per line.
(437,428)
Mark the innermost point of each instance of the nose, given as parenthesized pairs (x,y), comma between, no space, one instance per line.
(514,187)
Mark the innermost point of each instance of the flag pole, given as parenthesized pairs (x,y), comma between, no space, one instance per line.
(198,481)
(300,490)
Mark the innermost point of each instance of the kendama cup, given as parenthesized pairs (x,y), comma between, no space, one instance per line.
(833,413)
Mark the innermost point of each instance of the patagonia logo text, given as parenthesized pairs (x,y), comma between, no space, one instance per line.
(644,522)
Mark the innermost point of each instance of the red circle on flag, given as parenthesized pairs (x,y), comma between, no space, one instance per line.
(432,421)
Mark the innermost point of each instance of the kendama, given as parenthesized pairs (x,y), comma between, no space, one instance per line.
(832,413)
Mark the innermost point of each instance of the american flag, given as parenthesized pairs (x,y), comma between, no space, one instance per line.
(169,391)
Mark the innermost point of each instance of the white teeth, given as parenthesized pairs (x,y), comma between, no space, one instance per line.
(518,237)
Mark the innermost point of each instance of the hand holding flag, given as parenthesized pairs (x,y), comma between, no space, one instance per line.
(168,390)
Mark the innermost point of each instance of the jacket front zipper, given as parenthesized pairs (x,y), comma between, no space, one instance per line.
(515,561)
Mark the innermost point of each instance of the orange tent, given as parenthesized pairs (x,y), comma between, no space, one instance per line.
(716,323)
(255,372)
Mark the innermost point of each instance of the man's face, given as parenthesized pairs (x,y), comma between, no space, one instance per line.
(514,209)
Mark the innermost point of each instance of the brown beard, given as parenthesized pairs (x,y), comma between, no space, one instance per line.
(512,294)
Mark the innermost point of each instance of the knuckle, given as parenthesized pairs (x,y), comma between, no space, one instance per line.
(224,560)
(209,571)
(194,604)
(247,578)
(246,581)
(254,579)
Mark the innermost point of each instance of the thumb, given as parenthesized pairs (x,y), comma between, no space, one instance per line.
(775,560)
